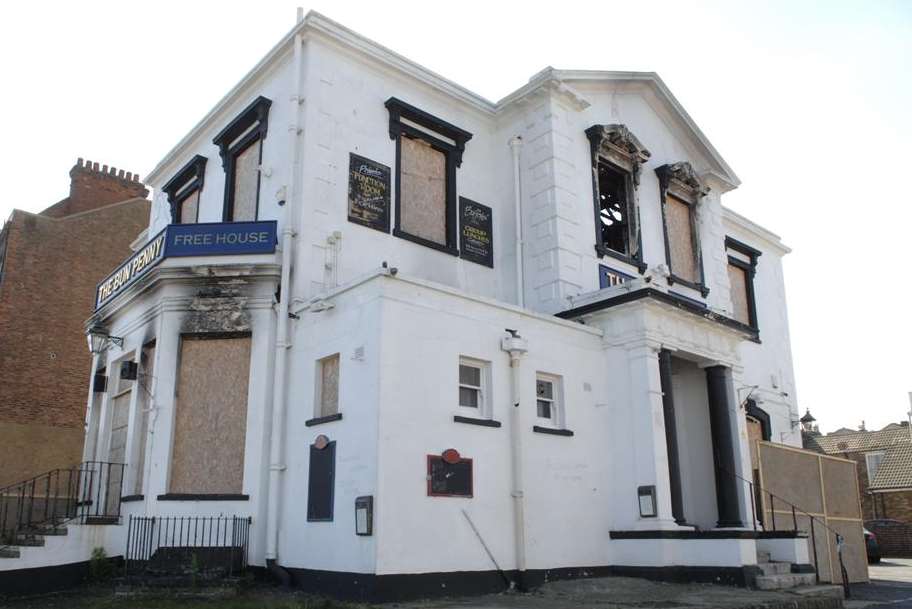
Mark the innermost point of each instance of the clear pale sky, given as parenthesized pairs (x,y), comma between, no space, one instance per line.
(809,102)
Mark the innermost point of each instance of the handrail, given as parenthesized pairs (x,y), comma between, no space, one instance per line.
(840,540)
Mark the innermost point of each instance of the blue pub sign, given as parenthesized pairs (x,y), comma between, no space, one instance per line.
(176,240)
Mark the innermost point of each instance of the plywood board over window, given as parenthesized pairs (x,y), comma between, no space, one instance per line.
(210,422)
(681,240)
(246,183)
(189,208)
(328,392)
(423,196)
(737,279)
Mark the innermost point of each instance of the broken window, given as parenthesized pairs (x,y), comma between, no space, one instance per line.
(544,391)
(742,266)
(613,208)
(210,420)
(428,151)
(328,386)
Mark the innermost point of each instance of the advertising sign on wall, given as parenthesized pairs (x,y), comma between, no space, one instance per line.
(368,193)
(476,235)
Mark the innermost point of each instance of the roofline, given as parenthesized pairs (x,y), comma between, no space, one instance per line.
(316,23)
(747,225)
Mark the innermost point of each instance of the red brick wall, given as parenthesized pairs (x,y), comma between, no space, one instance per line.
(46,294)
(92,187)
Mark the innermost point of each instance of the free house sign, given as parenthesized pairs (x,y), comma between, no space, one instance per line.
(208,239)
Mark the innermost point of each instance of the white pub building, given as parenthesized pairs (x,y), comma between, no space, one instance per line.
(428,343)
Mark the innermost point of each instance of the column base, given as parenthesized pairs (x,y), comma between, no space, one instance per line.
(730,524)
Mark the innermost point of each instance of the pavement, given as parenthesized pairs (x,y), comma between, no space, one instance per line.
(890,587)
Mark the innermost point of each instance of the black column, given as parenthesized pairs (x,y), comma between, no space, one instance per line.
(719,387)
(671,437)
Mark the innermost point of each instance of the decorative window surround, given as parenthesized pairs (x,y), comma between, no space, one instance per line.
(247,129)
(750,270)
(450,140)
(680,181)
(188,181)
(616,145)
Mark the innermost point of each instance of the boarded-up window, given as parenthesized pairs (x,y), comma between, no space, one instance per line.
(120,414)
(738,280)
(189,210)
(422,199)
(210,422)
(681,240)
(246,183)
(328,387)
(321,482)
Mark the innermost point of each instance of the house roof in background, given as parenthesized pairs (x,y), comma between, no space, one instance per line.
(851,441)
(895,471)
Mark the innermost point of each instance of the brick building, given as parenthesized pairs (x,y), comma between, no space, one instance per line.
(883,459)
(49,265)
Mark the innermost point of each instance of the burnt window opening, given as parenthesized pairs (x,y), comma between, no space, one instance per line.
(428,152)
(613,209)
(241,148)
(183,191)
(449,479)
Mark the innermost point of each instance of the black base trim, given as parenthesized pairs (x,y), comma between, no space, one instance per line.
(129,498)
(803,568)
(368,587)
(602,251)
(446,249)
(473,421)
(41,580)
(551,431)
(203,497)
(327,419)
(713,534)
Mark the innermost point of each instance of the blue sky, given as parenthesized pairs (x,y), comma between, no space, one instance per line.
(808,101)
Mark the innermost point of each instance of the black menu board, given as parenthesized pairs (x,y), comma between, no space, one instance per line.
(476,235)
(368,193)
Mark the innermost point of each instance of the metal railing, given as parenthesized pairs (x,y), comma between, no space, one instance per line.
(88,493)
(203,547)
(755,491)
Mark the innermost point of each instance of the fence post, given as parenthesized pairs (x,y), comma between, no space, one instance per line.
(814,545)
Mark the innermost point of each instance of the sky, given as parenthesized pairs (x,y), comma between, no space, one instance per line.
(809,102)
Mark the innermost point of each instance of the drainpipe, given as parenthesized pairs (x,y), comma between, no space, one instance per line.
(516,346)
(515,146)
(277,432)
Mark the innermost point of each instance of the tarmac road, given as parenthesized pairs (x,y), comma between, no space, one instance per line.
(890,587)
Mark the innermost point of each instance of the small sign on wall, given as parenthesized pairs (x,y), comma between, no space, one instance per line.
(476,235)
(368,193)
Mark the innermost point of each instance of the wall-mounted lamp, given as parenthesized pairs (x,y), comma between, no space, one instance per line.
(99,338)
(647,499)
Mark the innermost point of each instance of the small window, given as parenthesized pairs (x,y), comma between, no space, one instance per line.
(873,461)
(471,392)
(241,148)
(327,398)
(742,266)
(547,399)
(428,151)
(183,191)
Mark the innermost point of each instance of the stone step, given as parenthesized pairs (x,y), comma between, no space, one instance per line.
(775,568)
(9,552)
(29,541)
(46,531)
(784,581)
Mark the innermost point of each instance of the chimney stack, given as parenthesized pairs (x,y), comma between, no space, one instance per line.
(92,187)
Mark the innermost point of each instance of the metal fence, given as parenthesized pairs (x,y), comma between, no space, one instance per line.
(205,547)
(88,493)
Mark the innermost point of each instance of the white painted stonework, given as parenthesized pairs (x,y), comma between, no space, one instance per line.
(400,336)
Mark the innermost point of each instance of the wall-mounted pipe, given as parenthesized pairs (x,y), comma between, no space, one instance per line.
(515,147)
(516,347)
(280,385)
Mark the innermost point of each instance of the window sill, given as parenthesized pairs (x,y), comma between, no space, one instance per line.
(320,420)
(552,431)
(129,498)
(474,421)
(446,249)
(203,497)
(604,251)
(700,287)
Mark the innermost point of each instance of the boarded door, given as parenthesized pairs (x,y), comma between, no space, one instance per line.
(824,487)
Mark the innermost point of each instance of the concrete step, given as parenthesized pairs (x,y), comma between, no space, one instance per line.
(775,568)
(785,581)
(48,530)
(9,552)
(29,541)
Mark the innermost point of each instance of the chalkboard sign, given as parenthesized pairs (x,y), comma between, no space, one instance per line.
(321,483)
(368,193)
(476,237)
(449,479)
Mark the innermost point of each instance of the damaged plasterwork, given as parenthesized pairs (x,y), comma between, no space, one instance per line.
(217,308)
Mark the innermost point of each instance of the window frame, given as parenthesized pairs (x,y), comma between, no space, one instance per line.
(622,152)
(400,115)
(750,271)
(485,408)
(248,128)
(680,181)
(318,413)
(557,420)
(187,181)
